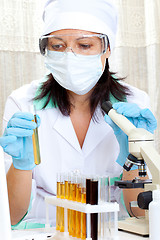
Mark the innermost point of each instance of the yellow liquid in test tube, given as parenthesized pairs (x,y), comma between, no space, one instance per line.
(66,184)
(35,140)
(66,189)
(70,211)
(73,218)
(83,215)
(78,214)
(58,209)
(62,194)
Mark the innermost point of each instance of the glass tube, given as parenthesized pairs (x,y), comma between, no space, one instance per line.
(58,209)
(100,216)
(88,180)
(88,185)
(69,210)
(73,219)
(69,198)
(106,219)
(78,214)
(35,139)
(62,196)
(66,186)
(94,201)
(83,215)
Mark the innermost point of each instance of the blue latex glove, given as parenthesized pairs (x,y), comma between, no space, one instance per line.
(17,140)
(141,118)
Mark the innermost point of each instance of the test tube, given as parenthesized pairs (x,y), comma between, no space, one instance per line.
(73,218)
(66,186)
(106,217)
(102,198)
(35,140)
(88,185)
(78,214)
(66,191)
(58,209)
(69,198)
(83,215)
(94,201)
(62,196)
(69,210)
(100,201)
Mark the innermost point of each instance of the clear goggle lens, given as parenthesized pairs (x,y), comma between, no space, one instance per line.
(92,44)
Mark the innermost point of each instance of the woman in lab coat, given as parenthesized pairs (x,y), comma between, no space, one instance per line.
(78,38)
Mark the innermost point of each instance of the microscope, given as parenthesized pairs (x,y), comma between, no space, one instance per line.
(142,153)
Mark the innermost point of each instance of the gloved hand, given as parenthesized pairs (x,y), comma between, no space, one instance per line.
(141,118)
(17,140)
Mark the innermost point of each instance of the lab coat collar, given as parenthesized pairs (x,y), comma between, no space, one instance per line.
(97,131)
(95,134)
(64,127)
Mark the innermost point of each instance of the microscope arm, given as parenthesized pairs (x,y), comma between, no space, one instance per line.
(152,159)
(139,139)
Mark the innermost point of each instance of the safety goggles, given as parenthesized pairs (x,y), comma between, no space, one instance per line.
(90,44)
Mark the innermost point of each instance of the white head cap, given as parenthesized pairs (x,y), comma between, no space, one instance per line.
(99,16)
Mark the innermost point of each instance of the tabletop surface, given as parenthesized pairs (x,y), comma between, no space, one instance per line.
(49,234)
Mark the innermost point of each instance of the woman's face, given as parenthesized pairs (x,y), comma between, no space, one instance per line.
(70,39)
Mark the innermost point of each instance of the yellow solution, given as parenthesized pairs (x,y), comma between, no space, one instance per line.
(78,214)
(70,211)
(66,189)
(62,196)
(66,184)
(35,140)
(83,215)
(58,209)
(73,217)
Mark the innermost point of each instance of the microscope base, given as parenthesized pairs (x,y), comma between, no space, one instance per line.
(138,226)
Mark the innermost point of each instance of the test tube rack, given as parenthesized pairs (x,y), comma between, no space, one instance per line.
(103,207)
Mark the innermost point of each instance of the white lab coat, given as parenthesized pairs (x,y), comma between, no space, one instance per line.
(60,149)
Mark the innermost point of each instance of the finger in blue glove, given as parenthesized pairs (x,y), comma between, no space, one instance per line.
(127,109)
(17,140)
(151,120)
(4,141)
(141,118)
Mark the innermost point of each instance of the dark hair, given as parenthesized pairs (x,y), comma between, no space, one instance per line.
(106,85)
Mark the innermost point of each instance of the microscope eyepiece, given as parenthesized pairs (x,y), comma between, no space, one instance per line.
(106,106)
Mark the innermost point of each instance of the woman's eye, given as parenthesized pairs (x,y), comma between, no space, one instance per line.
(57,47)
(85,46)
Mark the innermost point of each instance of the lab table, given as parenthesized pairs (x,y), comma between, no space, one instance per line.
(40,234)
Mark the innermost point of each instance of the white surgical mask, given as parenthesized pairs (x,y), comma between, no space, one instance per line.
(78,74)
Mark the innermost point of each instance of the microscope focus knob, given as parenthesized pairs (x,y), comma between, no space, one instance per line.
(144,199)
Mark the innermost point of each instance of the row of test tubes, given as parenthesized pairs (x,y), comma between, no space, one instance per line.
(84,189)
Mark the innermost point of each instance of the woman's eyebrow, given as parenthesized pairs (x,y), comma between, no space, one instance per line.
(82,37)
(79,38)
(58,38)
